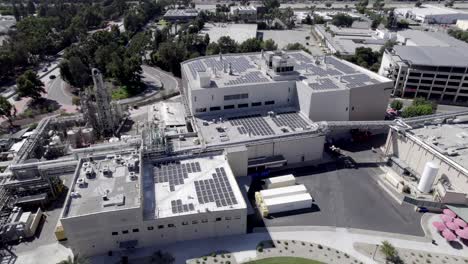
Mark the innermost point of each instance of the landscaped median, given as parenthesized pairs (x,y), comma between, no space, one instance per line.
(285,260)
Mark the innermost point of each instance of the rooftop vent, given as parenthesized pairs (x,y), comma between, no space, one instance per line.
(81,183)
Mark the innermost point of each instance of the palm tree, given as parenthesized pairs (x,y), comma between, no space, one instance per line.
(389,251)
(74,260)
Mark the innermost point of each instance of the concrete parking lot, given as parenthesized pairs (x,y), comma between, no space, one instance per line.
(298,34)
(348,197)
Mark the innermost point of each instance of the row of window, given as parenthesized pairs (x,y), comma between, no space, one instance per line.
(194,222)
(236,96)
(217,108)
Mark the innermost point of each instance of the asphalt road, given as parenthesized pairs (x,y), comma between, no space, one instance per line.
(349,198)
(152,74)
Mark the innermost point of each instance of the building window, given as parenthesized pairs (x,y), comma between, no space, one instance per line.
(170,225)
(194,222)
(442,76)
(195,98)
(184,223)
(115,233)
(229,106)
(135,230)
(257,104)
(160,226)
(237,217)
(236,96)
(215,108)
(218,219)
(242,105)
(150,228)
(204,220)
(125,232)
(269,102)
(352,108)
(228,218)
(200,110)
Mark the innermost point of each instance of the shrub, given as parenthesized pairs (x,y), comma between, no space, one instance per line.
(260,249)
(205,258)
(320,246)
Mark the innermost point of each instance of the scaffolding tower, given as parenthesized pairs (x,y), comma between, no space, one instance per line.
(99,110)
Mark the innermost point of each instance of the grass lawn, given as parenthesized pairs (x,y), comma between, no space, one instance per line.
(285,260)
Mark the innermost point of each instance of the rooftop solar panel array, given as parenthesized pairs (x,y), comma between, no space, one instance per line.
(291,120)
(256,125)
(340,65)
(195,67)
(175,173)
(323,84)
(217,190)
(357,80)
(251,77)
(179,207)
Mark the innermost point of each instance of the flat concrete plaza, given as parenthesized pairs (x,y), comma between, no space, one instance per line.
(347,197)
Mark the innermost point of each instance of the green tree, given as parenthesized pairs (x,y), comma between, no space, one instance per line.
(207,39)
(29,85)
(396,105)
(270,5)
(212,48)
(251,45)
(31,7)
(74,260)
(16,13)
(162,258)
(296,46)
(378,4)
(7,110)
(269,44)
(227,45)
(389,251)
(328,4)
(418,3)
(342,20)
(75,72)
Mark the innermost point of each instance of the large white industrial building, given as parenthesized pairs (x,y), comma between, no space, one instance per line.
(321,88)
(432,14)
(121,202)
(434,155)
(431,65)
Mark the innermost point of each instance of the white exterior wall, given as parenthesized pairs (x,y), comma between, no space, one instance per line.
(92,235)
(280,92)
(330,105)
(416,156)
(293,150)
(369,102)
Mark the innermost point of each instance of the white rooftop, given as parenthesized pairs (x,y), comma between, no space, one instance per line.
(249,69)
(241,127)
(425,10)
(103,184)
(195,185)
(451,140)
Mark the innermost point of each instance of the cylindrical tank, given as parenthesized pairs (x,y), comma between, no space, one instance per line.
(428,176)
(87,134)
(72,137)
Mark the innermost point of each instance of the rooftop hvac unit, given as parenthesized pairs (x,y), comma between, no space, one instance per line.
(75,195)
(133,176)
(452,152)
(81,183)
(271,113)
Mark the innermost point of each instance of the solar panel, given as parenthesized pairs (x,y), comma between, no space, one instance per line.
(174,174)
(340,65)
(251,77)
(195,67)
(255,125)
(178,207)
(358,80)
(323,84)
(291,120)
(217,189)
